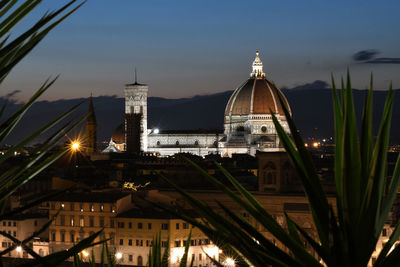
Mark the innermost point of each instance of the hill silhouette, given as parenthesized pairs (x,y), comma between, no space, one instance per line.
(311,108)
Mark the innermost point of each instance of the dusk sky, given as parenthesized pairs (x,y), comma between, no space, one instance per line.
(186,48)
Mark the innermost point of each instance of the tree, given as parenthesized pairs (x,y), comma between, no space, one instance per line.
(364,196)
(12,51)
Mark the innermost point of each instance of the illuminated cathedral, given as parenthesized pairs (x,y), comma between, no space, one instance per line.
(248,125)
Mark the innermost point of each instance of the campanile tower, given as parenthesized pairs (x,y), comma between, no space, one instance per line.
(136,116)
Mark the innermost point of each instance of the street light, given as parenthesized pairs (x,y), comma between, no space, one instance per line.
(75,145)
(118,255)
(19,249)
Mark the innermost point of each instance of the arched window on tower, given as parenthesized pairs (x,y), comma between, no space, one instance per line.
(269,173)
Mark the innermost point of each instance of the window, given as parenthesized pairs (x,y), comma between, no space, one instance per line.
(200,256)
(62,236)
(9,223)
(112,223)
(384,232)
(193,257)
(130,257)
(62,220)
(91,221)
(53,236)
(112,208)
(149,226)
(177,143)
(139,243)
(34,223)
(72,236)
(4,244)
(72,206)
(112,238)
(164,244)
(184,243)
(130,225)
(14,223)
(177,226)
(53,206)
(200,242)
(193,242)
(101,221)
(81,221)
(81,235)
(177,243)
(206,241)
(148,243)
(185,226)
(196,143)
(263,129)
(72,220)
(121,225)
(4,223)
(101,207)
(164,226)
(121,242)
(158,143)
(41,253)
(130,242)
(140,225)
(139,261)
(81,206)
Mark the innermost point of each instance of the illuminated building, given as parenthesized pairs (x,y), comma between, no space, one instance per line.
(248,125)
(22,226)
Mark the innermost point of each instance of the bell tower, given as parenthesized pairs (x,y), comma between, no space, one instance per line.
(91,129)
(136,116)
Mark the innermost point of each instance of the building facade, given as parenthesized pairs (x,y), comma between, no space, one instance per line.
(248,125)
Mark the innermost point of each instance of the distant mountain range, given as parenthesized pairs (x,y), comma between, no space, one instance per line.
(311,106)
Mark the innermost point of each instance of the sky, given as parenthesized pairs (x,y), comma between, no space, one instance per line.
(186,48)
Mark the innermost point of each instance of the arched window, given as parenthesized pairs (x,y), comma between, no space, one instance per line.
(139,261)
(158,143)
(269,173)
(177,143)
(196,143)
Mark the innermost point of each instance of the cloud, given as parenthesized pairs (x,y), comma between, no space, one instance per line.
(384,60)
(364,55)
(368,57)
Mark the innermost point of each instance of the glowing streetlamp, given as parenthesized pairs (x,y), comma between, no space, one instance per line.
(229,262)
(85,253)
(75,145)
(118,255)
(19,249)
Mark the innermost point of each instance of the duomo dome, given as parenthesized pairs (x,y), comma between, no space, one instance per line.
(247,118)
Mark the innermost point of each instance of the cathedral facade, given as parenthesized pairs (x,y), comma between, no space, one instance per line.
(248,125)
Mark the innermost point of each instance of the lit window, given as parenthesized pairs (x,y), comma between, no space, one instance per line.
(101,207)
(62,206)
(81,221)
(91,207)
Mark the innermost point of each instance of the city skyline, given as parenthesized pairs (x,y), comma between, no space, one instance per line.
(182,49)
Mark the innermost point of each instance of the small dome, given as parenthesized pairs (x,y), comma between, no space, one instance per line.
(118,135)
(257,95)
